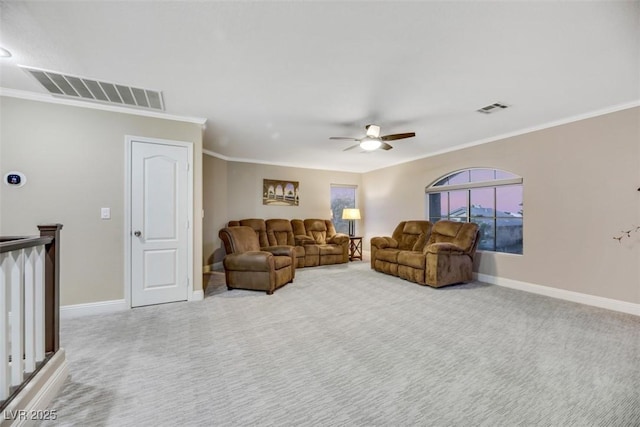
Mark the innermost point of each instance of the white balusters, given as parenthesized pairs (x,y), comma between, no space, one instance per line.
(22,315)
(39,303)
(17,318)
(5,283)
(29,309)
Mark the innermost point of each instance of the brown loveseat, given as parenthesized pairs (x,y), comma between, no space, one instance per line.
(437,254)
(314,241)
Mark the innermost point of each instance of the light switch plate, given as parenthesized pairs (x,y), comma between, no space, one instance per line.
(105,213)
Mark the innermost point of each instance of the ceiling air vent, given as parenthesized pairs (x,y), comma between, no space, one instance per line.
(74,87)
(492,108)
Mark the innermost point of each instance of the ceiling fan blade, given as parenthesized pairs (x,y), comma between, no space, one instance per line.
(344,137)
(385,146)
(352,147)
(398,136)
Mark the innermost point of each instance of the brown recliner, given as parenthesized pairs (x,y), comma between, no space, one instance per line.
(450,252)
(247,266)
(258,225)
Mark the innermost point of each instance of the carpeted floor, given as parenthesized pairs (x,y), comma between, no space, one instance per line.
(344,345)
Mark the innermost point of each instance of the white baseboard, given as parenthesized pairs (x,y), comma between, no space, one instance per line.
(197,295)
(602,302)
(101,307)
(38,393)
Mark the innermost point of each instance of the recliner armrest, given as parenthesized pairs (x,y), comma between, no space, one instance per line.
(303,239)
(338,239)
(444,248)
(248,261)
(279,250)
(382,242)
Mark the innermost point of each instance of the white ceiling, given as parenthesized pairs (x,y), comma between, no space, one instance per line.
(276,79)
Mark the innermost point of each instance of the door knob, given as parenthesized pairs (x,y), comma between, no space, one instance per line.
(137,233)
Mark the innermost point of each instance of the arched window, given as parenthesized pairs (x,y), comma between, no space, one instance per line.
(492,198)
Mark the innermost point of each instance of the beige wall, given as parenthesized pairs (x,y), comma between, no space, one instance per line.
(580,189)
(215,207)
(74,162)
(244,195)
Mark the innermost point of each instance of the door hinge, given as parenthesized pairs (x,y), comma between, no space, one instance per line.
(188,224)
(188,167)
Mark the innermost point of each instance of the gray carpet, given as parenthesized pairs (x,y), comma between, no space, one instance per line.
(344,345)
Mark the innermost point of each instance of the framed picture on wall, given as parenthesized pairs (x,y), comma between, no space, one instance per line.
(278,192)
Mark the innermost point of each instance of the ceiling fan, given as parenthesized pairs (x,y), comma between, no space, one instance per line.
(373,140)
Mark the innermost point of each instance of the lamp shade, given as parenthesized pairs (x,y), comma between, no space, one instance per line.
(351,214)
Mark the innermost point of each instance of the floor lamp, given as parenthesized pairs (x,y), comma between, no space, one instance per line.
(351,215)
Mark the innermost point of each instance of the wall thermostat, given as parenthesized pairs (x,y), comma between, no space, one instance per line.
(15,179)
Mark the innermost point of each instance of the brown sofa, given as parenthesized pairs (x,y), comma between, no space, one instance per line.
(314,241)
(248,266)
(437,254)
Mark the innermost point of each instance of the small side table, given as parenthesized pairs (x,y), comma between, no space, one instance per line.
(355,248)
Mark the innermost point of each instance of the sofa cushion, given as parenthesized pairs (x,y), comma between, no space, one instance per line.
(298,227)
(388,255)
(413,274)
(298,251)
(407,241)
(386,267)
(316,228)
(415,259)
(250,261)
(460,234)
(281,262)
(420,242)
(260,227)
(330,250)
(280,232)
(243,239)
(311,255)
(412,235)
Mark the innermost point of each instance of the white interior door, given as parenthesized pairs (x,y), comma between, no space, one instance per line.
(159,223)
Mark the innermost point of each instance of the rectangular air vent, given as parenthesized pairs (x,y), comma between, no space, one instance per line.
(492,108)
(75,87)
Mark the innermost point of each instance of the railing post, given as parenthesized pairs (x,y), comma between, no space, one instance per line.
(52,286)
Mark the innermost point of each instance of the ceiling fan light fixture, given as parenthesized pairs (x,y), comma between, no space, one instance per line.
(373,131)
(370,144)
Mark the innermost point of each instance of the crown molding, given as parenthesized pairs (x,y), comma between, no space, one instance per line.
(263,162)
(41,97)
(216,155)
(595,113)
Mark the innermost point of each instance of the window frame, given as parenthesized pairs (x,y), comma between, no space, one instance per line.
(434,188)
(338,222)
